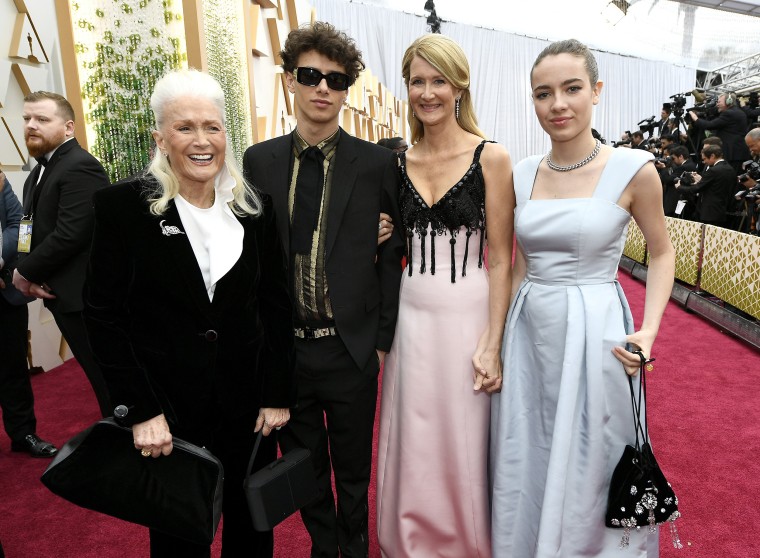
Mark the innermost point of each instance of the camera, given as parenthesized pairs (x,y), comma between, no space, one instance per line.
(679,101)
(751,171)
(664,160)
(706,109)
(750,195)
(623,142)
(686,178)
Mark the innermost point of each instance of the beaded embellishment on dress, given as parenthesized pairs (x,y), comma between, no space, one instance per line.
(463,205)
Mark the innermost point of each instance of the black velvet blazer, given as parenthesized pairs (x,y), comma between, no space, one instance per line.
(162,345)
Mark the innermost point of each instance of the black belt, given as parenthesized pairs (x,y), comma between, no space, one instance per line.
(314,332)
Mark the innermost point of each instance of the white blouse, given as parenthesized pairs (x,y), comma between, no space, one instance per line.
(215,234)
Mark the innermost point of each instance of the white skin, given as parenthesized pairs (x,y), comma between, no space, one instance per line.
(436,163)
(318,115)
(193,138)
(563,98)
(44,130)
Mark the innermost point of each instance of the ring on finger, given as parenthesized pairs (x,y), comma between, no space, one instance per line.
(145,452)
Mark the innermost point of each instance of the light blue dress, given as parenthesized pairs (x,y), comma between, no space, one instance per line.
(563,417)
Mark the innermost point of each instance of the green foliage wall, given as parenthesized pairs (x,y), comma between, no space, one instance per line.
(226,59)
(123,47)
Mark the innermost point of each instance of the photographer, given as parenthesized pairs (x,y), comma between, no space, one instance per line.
(666,125)
(730,126)
(749,190)
(637,141)
(680,166)
(715,186)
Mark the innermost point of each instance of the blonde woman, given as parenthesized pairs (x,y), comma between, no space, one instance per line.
(456,199)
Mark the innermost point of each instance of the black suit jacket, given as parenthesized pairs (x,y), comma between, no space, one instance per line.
(363,279)
(162,345)
(715,190)
(730,127)
(670,194)
(62,223)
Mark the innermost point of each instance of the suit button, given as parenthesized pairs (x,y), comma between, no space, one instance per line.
(211,336)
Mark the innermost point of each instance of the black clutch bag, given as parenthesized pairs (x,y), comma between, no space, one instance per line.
(639,493)
(279,489)
(179,494)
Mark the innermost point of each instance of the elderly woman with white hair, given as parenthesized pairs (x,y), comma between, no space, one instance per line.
(187,304)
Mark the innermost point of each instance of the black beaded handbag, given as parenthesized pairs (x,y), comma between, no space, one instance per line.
(640,495)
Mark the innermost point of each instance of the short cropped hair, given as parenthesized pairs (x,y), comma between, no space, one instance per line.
(327,41)
(710,150)
(679,150)
(64,108)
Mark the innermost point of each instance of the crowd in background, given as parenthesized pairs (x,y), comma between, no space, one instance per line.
(708,161)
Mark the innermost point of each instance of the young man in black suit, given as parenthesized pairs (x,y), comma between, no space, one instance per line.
(56,232)
(716,187)
(328,189)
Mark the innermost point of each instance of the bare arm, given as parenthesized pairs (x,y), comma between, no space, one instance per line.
(500,205)
(644,197)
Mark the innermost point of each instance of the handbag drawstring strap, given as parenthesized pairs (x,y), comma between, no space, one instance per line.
(641,401)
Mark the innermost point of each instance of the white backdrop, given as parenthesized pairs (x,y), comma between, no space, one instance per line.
(500,67)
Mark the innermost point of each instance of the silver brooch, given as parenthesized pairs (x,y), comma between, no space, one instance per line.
(168,230)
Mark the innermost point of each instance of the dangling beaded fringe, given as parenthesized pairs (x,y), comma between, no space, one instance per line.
(456,109)
(423,234)
(409,237)
(453,241)
(674,535)
(466,250)
(480,249)
(432,252)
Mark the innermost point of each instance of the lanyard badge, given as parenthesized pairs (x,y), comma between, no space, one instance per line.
(25,236)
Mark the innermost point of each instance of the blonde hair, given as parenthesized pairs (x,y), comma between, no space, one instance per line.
(447,57)
(192,83)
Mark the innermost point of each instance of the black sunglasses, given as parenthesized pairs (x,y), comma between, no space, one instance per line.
(312,77)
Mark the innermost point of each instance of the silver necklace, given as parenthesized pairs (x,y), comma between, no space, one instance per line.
(555,167)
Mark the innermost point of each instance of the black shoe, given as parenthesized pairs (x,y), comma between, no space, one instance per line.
(34,446)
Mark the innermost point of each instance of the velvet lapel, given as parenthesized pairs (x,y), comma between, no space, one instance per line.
(178,245)
(277,174)
(343,180)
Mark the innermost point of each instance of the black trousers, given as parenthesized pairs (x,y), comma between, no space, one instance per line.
(332,387)
(73,330)
(16,397)
(232,442)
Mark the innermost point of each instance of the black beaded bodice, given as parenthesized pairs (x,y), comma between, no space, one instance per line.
(462,208)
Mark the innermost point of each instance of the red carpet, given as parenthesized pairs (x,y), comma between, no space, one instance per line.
(704,425)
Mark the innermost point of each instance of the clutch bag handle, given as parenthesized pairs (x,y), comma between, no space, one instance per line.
(253,453)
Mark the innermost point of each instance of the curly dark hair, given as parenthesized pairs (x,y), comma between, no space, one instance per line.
(327,41)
